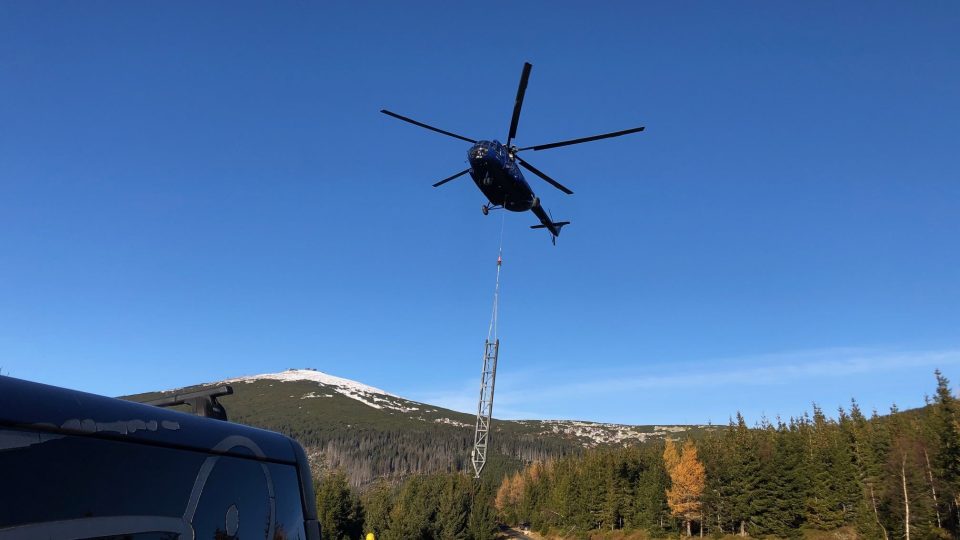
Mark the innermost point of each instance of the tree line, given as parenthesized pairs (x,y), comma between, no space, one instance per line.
(893,476)
(440,505)
(885,477)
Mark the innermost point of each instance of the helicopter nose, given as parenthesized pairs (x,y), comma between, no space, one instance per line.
(477,152)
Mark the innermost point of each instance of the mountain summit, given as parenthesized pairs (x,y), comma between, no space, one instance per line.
(368,395)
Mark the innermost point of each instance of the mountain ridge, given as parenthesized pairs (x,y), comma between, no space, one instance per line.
(372,433)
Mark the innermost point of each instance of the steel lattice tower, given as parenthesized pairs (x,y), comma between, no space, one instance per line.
(488,378)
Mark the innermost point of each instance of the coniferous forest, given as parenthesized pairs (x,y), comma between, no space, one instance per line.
(841,475)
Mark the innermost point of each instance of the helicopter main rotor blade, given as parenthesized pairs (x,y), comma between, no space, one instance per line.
(537,172)
(521,90)
(583,140)
(449,178)
(431,128)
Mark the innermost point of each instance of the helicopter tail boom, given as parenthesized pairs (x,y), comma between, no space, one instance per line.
(553,227)
(557,225)
(546,222)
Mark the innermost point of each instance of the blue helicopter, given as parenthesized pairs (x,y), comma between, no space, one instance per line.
(493,166)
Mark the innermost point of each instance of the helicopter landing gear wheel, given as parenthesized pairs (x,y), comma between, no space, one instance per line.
(488,207)
(536,202)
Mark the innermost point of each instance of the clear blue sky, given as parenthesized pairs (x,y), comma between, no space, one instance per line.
(194,191)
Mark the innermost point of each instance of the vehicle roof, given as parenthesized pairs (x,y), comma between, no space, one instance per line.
(30,405)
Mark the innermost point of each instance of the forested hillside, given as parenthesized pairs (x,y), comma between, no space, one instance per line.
(852,476)
(396,467)
(893,476)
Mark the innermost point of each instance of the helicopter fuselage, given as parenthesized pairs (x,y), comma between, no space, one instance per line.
(499,177)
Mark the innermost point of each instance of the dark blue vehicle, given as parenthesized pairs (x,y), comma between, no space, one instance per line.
(81,466)
(493,166)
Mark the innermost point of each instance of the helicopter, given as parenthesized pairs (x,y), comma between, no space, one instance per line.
(494,166)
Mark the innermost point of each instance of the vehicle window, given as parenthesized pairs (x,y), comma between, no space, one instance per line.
(289,505)
(50,478)
(237,501)
(68,487)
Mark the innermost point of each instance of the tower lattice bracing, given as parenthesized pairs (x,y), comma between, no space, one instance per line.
(488,378)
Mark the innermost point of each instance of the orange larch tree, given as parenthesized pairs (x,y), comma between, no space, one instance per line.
(687,481)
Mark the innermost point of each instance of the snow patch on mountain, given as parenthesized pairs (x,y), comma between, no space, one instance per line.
(450,422)
(315,376)
(368,395)
(315,395)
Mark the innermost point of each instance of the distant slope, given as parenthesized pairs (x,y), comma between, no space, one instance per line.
(372,433)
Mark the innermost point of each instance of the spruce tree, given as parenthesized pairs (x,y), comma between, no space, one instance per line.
(825,499)
(847,481)
(742,490)
(377,504)
(945,418)
(454,508)
(650,510)
(781,490)
(867,450)
(338,510)
(536,489)
(413,515)
(910,505)
(618,492)
(482,523)
(716,507)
